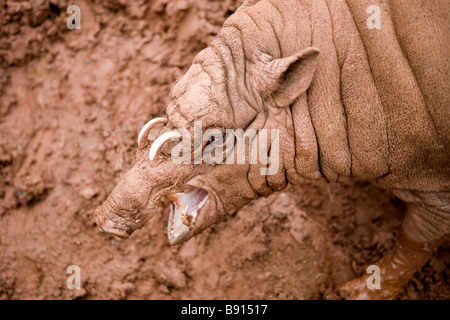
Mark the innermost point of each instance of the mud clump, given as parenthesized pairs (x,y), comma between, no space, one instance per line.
(71,105)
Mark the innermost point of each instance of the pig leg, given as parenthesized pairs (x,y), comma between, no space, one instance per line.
(425,228)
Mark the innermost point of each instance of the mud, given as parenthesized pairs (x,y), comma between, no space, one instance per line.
(72,104)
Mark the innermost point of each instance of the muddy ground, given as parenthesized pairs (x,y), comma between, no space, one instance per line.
(72,103)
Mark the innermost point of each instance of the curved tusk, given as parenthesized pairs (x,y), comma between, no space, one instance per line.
(156,146)
(143,134)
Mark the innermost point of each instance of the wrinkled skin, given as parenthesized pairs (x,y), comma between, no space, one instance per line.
(349,103)
(137,197)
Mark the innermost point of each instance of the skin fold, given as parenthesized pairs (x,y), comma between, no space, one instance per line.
(350,103)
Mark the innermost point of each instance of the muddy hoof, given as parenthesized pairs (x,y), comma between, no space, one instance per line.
(357,290)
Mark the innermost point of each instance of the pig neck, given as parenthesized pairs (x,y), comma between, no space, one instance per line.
(349,122)
(282,29)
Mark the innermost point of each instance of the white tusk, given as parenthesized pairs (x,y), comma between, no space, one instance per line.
(156,146)
(143,134)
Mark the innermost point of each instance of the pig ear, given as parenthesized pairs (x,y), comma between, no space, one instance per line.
(285,79)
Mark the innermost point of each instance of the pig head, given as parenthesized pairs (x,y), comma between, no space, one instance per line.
(217,94)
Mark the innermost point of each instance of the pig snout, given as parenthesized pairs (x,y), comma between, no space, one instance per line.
(109,221)
(128,207)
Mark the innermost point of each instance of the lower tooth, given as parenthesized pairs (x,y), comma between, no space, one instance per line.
(185,218)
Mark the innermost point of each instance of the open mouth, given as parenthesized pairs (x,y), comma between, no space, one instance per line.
(184,209)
